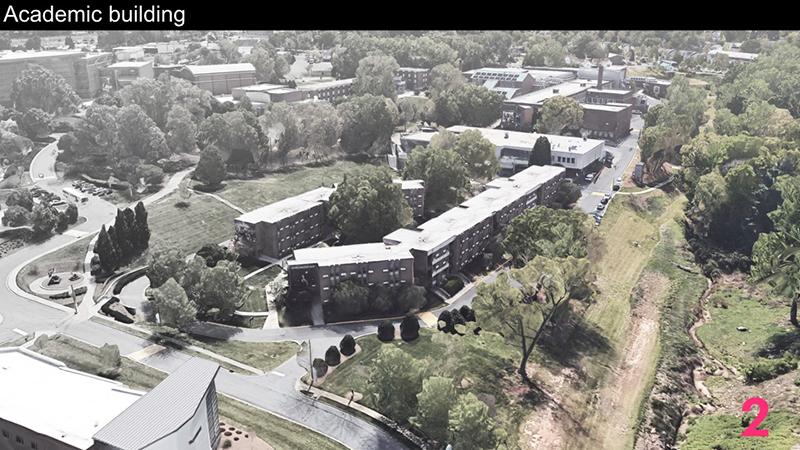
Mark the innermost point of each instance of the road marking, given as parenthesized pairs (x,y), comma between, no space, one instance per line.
(76,233)
(20,332)
(275,372)
(429,318)
(599,193)
(143,353)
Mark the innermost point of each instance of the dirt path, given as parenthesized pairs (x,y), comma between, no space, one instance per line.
(618,399)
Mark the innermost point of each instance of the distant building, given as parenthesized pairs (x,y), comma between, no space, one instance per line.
(132,53)
(416,79)
(320,69)
(506,81)
(733,56)
(48,406)
(220,78)
(521,113)
(330,91)
(614,74)
(90,78)
(414,193)
(124,73)
(603,96)
(650,86)
(279,228)
(317,271)
(261,93)
(513,148)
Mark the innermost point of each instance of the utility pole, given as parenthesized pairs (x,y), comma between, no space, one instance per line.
(74,300)
(311,366)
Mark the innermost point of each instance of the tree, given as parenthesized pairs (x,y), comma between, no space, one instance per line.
(138,136)
(37,87)
(368,205)
(141,233)
(33,43)
(163,265)
(69,42)
(433,407)
(35,123)
(415,109)
(478,154)
(544,52)
(332,356)
(221,290)
(270,66)
(468,104)
(567,194)
(181,130)
(444,78)
(20,197)
(282,120)
(541,155)
(71,213)
(445,323)
(522,314)
(751,46)
(552,233)
(350,299)
(214,253)
(320,367)
(15,216)
(386,331)
(394,382)
(347,345)
(560,113)
(43,219)
(173,306)
(319,124)
(375,75)
(409,328)
(367,124)
(110,361)
(106,252)
(233,133)
(411,298)
(444,174)
(210,168)
(470,426)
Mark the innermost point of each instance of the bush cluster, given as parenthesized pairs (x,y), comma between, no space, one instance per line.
(769,369)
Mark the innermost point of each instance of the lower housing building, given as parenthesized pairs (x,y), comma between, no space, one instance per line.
(278,228)
(414,193)
(220,78)
(416,79)
(44,405)
(317,271)
(610,121)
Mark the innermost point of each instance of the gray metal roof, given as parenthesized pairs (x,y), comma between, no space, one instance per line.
(163,410)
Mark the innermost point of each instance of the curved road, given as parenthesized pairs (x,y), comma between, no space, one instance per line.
(274,392)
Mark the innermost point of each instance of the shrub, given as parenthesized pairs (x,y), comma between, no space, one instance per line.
(386,331)
(16,216)
(382,299)
(769,369)
(348,345)
(453,285)
(411,298)
(409,328)
(467,313)
(445,323)
(458,319)
(332,356)
(320,367)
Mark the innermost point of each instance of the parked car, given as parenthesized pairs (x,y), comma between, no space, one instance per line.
(601,206)
(605,199)
(590,176)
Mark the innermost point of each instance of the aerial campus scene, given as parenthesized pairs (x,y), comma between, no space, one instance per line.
(455,240)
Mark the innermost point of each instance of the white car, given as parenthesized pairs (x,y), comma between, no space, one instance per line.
(589,176)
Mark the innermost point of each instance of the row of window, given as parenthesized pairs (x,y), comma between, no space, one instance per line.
(19,439)
(564,159)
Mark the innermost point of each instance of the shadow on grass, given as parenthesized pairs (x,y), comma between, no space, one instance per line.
(780,343)
(572,339)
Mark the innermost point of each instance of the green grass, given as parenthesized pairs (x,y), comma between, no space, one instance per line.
(731,308)
(261,279)
(485,362)
(204,221)
(721,431)
(66,259)
(252,194)
(261,355)
(280,433)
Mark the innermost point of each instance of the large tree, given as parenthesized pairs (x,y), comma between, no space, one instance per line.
(138,136)
(478,154)
(433,407)
(544,52)
(107,253)
(173,306)
(35,123)
(141,228)
(468,104)
(367,205)
(163,265)
(367,124)
(548,232)
(37,87)
(350,299)
(471,427)
(319,124)
(395,379)
(541,154)
(211,167)
(445,77)
(559,114)
(181,130)
(521,304)
(444,173)
(375,75)
(43,219)
(221,290)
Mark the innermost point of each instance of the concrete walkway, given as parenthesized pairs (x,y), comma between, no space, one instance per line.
(219,199)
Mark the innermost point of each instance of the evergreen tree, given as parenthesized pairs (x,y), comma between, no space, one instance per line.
(104,248)
(114,238)
(540,156)
(142,237)
(130,226)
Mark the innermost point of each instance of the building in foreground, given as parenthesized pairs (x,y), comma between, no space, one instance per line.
(220,78)
(275,230)
(317,271)
(446,244)
(48,406)
(610,121)
(513,148)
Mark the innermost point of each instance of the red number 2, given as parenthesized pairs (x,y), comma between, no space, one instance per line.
(752,429)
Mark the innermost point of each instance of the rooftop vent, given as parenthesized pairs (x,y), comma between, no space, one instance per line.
(506,135)
(555,91)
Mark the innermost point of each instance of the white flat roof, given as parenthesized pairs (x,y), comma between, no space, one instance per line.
(11,56)
(130,64)
(43,395)
(346,254)
(565,89)
(611,91)
(520,139)
(325,84)
(612,107)
(221,68)
(280,210)
(261,87)
(410,184)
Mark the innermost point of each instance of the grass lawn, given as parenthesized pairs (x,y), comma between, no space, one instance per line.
(280,433)
(730,308)
(481,365)
(261,355)
(263,278)
(252,194)
(204,221)
(66,259)
(721,431)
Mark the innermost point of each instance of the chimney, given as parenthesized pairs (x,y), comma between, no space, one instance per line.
(600,76)
(506,135)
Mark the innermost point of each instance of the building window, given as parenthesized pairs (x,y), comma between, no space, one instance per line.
(5,434)
(19,440)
